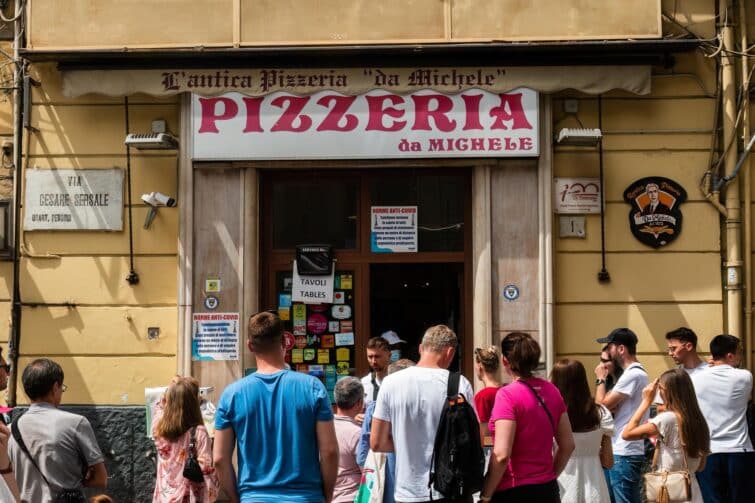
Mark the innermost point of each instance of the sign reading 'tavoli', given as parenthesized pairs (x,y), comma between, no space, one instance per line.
(377,124)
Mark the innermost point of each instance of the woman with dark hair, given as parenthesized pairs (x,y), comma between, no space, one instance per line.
(487,362)
(582,480)
(528,414)
(683,435)
(176,426)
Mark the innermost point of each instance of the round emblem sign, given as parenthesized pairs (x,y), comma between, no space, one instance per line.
(211,302)
(288,338)
(510,292)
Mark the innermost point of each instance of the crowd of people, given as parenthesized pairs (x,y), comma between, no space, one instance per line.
(545,440)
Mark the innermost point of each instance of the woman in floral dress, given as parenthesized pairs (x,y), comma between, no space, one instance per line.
(176,415)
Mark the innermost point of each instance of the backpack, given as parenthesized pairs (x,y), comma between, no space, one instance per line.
(458,462)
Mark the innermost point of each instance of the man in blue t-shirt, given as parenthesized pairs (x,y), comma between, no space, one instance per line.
(282,423)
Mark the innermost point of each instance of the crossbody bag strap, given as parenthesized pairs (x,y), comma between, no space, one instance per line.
(452,389)
(16,432)
(545,407)
(375,386)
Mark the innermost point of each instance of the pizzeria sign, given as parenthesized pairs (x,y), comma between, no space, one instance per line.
(376,124)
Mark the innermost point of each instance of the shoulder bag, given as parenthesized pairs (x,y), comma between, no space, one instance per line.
(63,496)
(665,486)
(192,470)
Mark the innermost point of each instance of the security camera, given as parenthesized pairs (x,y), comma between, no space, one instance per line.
(7,148)
(156,199)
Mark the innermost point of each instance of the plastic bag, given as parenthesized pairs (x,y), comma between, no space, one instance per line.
(372,484)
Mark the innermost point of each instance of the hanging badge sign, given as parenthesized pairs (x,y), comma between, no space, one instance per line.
(655,216)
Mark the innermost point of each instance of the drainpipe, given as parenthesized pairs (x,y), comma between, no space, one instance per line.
(18,98)
(746,192)
(733,261)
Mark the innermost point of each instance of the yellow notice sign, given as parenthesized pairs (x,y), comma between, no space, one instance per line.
(323,356)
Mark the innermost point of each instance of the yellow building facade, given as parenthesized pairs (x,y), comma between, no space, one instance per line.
(653,76)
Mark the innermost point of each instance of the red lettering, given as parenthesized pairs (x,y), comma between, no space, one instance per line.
(332,121)
(525,143)
(462,144)
(478,143)
(436,144)
(472,106)
(292,107)
(494,144)
(515,113)
(253,124)
(422,112)
(375,105)
(209,117)
(510,144)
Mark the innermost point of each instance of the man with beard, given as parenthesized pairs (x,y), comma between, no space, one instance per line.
(623,400)
(682,347)
(378,357)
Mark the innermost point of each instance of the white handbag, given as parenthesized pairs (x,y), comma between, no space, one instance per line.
(667,486)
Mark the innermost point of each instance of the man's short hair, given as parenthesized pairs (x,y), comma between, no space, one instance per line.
(439,337)
(265,332)
(378,343)
(40,376)
(683,334)
(400,364)
(348,392)
(651,184)
(723,344)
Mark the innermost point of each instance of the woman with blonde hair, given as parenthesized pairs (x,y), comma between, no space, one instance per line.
(683,435)
(582,480)
(179,432)
(487,362)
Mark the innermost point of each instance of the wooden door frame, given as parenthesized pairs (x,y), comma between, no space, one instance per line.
(360,259)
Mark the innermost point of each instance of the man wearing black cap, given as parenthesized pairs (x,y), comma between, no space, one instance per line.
(623,400)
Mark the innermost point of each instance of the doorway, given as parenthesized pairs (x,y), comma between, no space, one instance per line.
(408,298)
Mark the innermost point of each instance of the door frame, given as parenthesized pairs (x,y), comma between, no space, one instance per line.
(360,258)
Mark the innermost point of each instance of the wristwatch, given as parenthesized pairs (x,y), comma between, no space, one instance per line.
(599,381)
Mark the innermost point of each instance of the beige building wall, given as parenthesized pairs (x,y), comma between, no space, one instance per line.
(78,307)
(667,133)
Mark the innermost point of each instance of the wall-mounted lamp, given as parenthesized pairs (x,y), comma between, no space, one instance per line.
(578,137)
(152,141)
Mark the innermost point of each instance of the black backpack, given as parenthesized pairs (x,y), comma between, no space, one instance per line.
(458,463)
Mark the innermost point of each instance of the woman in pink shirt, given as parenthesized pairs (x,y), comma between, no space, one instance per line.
(528,414)
(177,419)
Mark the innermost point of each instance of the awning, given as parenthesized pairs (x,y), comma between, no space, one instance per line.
(591,79)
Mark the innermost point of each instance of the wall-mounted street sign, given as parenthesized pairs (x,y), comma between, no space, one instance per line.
(576,195)
(74,199)
(655,216)
(376,124)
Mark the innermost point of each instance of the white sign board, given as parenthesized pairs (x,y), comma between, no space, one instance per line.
(74,199)
(377,124)
(215,336)
(576,195)
(312,289)
(393,229)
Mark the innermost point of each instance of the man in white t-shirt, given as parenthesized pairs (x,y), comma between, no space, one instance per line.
(623,400)
(682,347)
(408,411)
(723,392)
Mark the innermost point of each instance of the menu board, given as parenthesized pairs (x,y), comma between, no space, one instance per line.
(323,334)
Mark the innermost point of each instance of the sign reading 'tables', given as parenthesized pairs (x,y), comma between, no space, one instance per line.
(655,216)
